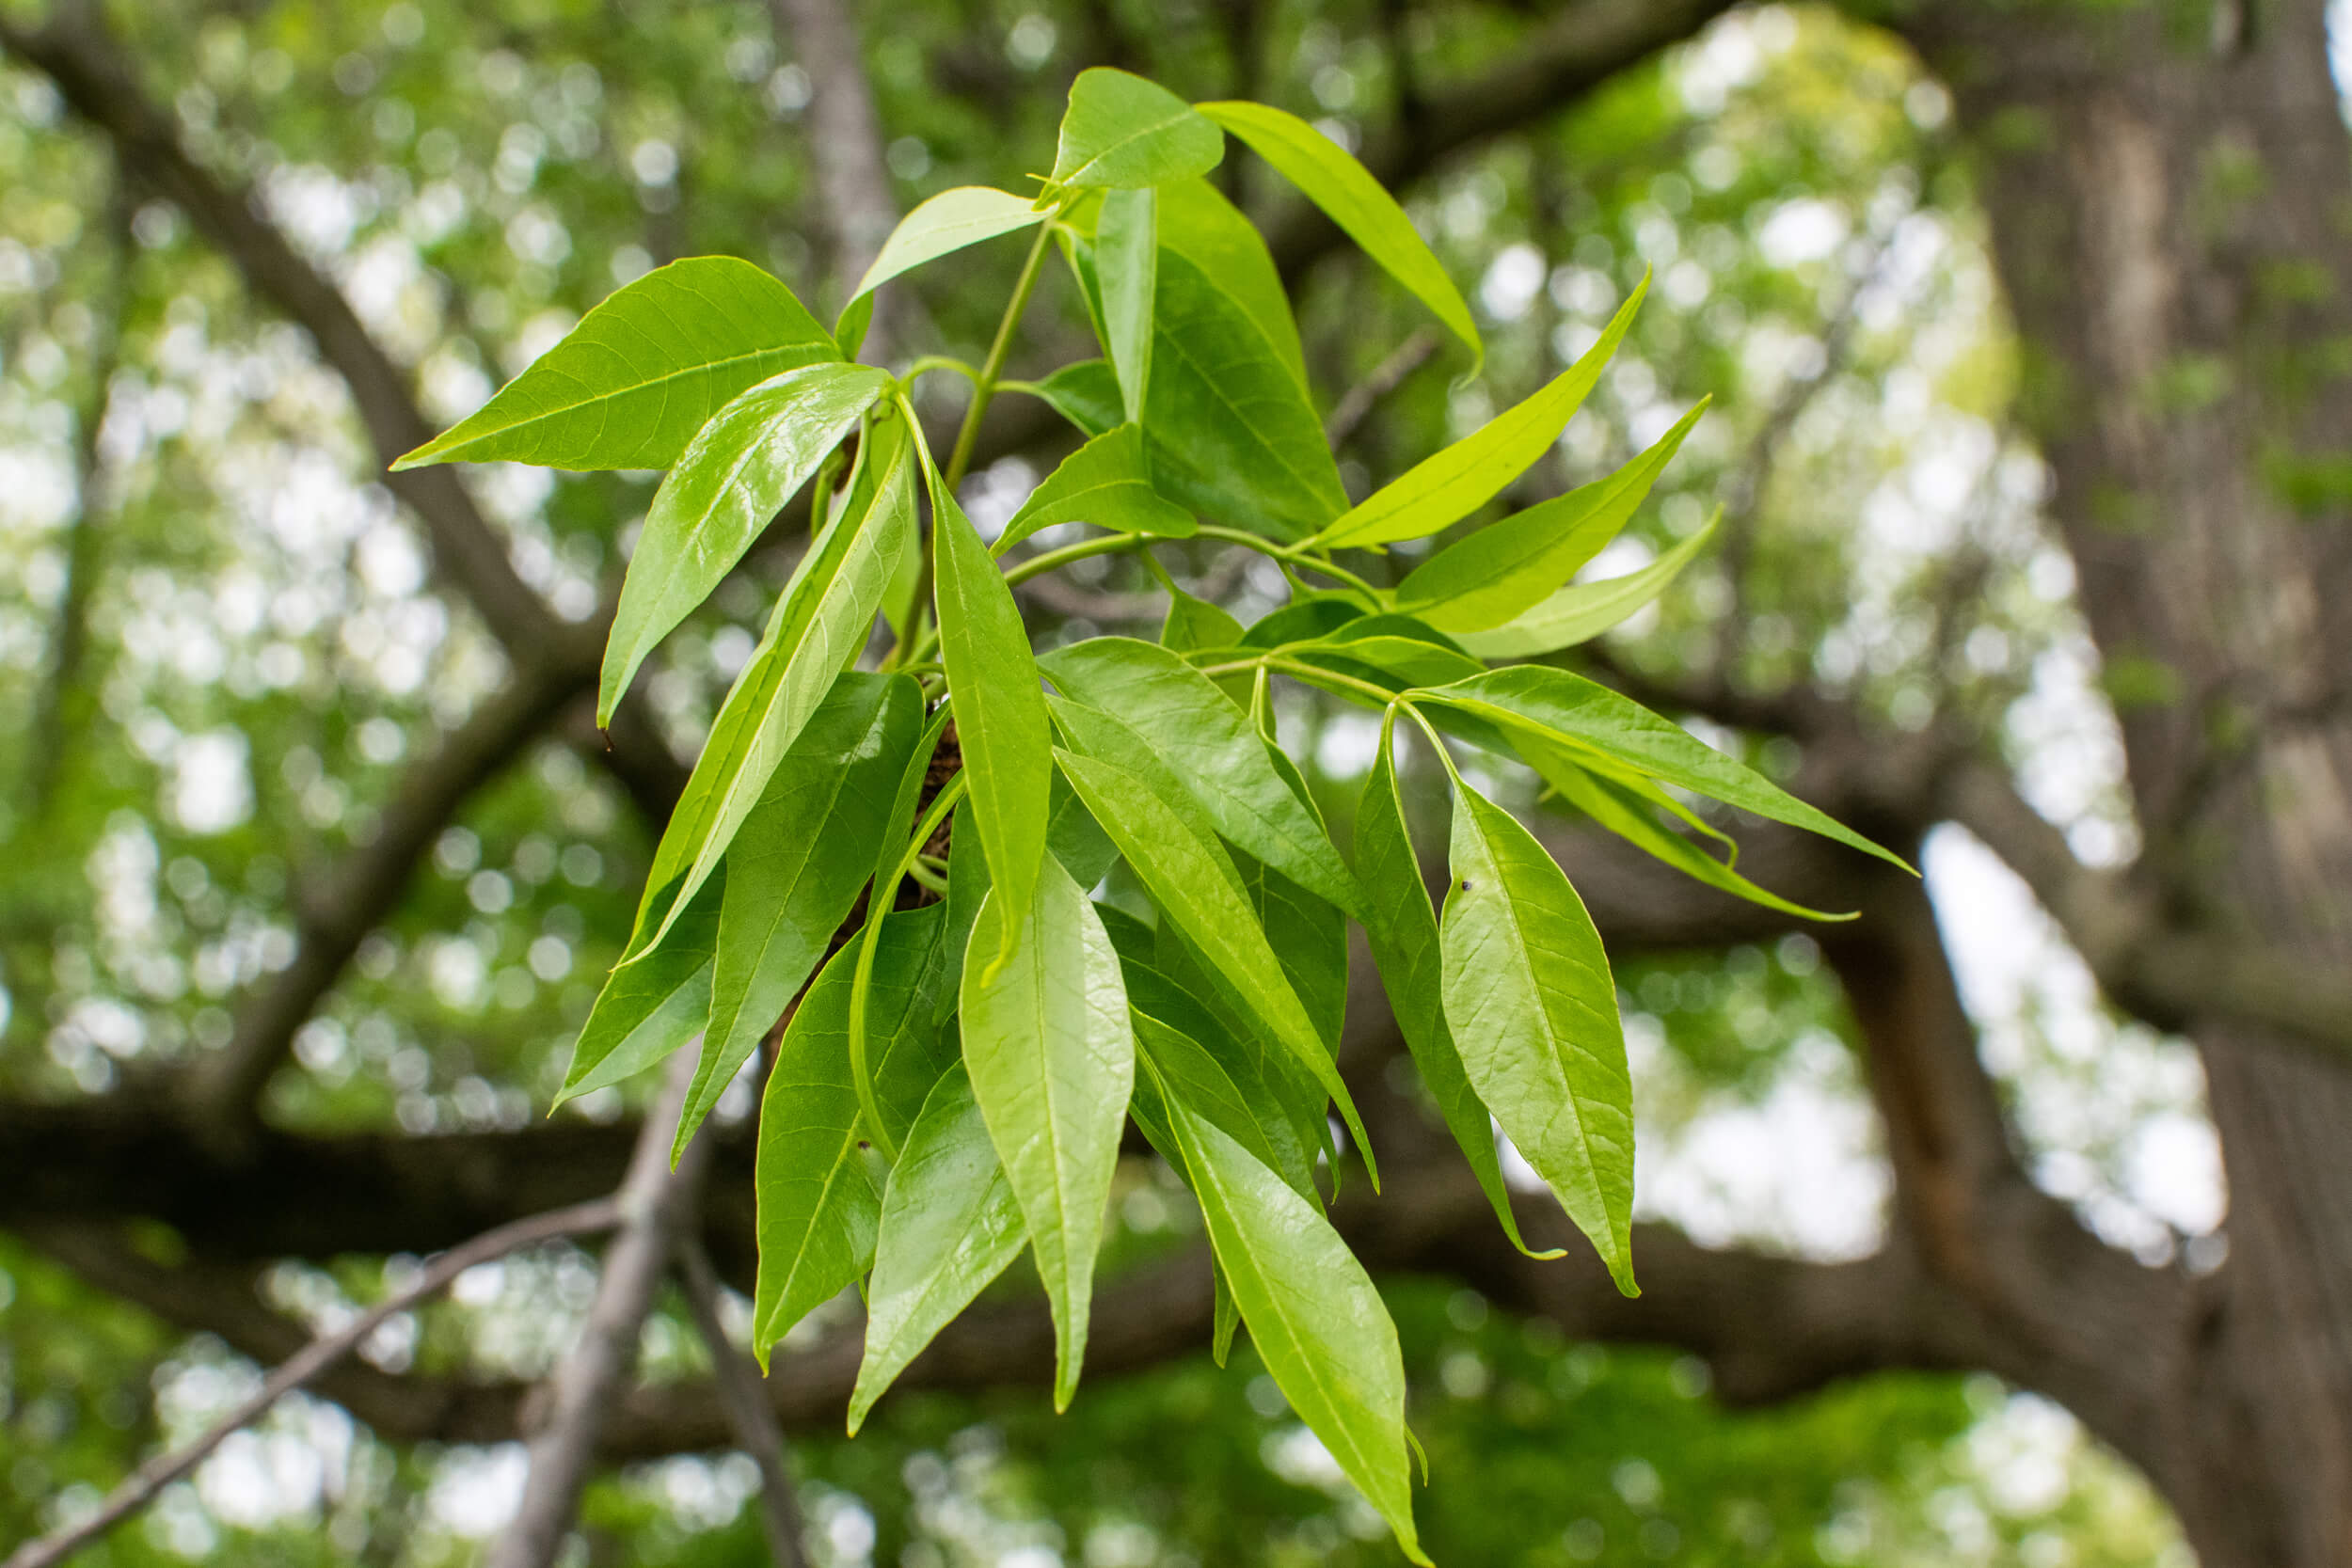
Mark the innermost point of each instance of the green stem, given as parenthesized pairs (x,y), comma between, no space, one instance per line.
(984,386)
(1037,565)
(931,363)
(1296,554)
(1297,670)
(878,901)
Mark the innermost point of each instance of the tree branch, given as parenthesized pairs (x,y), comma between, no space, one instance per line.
(737,1386)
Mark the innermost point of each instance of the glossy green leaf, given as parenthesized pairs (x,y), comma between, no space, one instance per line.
(948,222)
(1210,745)
(1052,1059)
(630,384)
(1126,264)
(1190,1073)
(1440,491)
(949,1226)
(649,1008)
(1122,131)
(1582,611)
(1000,709)
(817,1209)
(1510,566)
(1194,623)
(820,625)
(736,474)
(1330,177)
(1584,715)
(1402,931)
(1105,484)
(795,867)
(1195,887)
(1534,1012)
(1317,1320)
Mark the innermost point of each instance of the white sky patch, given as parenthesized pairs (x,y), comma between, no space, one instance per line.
(211,789)
(1806,230)
(1512,280)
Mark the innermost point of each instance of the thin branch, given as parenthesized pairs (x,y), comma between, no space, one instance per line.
(152,1477)
(757,1433)
(1384,377)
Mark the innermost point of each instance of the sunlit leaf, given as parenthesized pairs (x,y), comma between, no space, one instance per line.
(1126,264)
(946,222)
(1105,484)
(649,1008)
(1582,611)
(1122,132)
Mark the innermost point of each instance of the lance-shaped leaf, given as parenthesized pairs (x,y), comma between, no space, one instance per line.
(1194,886)
(1052,1059)
(1000,709)
(1192,1075)
(1194,622)
(820,625)
(1512,565)
(1440,491)
(1122,131)
(796,863)
(1582,611)
(1104,483)
(817,1209)
(1209,744)
(1403,935)
(1312,1312)
(948,222)
(1585,717)
(1126,266)
(949,1226)
(1331,178)
(1534,1012)
(1397,652)
(630,384)
(737,472)
(649,1008)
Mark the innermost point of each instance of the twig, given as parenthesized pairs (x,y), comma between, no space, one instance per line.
(1387,377)
(652,1198)
(152,1478)
(757,1433)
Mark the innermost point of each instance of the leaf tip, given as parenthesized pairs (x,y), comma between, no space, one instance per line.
(417,457)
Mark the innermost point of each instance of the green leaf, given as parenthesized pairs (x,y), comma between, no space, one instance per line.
(1122,131)
(1441,490)
(948,222)
(1194,623)
(1582,611)
(648,1010)
(1191,1074)
(1000,710)
(1313,1314)
(1199,225)
(1076,839)
(1403,938)
(1086,394)
(1209,744)
(820,625)
(640,373)
(1331,178)
(1126,262)
(1193,885)
(1512,565)
(1588,718)
(736,474)
(816,1208)
(1534,1012)
(949,1226)
(1104,483)
(1397,651)
(1052,1059)
(795,867)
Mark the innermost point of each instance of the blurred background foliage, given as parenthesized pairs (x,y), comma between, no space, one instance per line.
(218,644)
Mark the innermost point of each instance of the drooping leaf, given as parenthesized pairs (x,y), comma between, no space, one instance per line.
(1534,1012)
(1076,839)
(1582,611)
(1585,717)
(816,1208)
(649,1008)
(630,384)
(1510,566)
(1000,709)
(1104,483)
(798,863)
(1126,263)
(1331,178)
(1122,131)
(1404,936)
(1210,745)
(752,457)
(1442,490)
(949,1226)
(1052,1059)
(1313,1314)
(1309,934)
(948,222)
(1185,1070)
(1195,887)
(820,624)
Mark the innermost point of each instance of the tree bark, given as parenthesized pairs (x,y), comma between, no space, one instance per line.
(2167,208)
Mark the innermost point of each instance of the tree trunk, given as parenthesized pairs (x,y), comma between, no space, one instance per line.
(2168,189)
